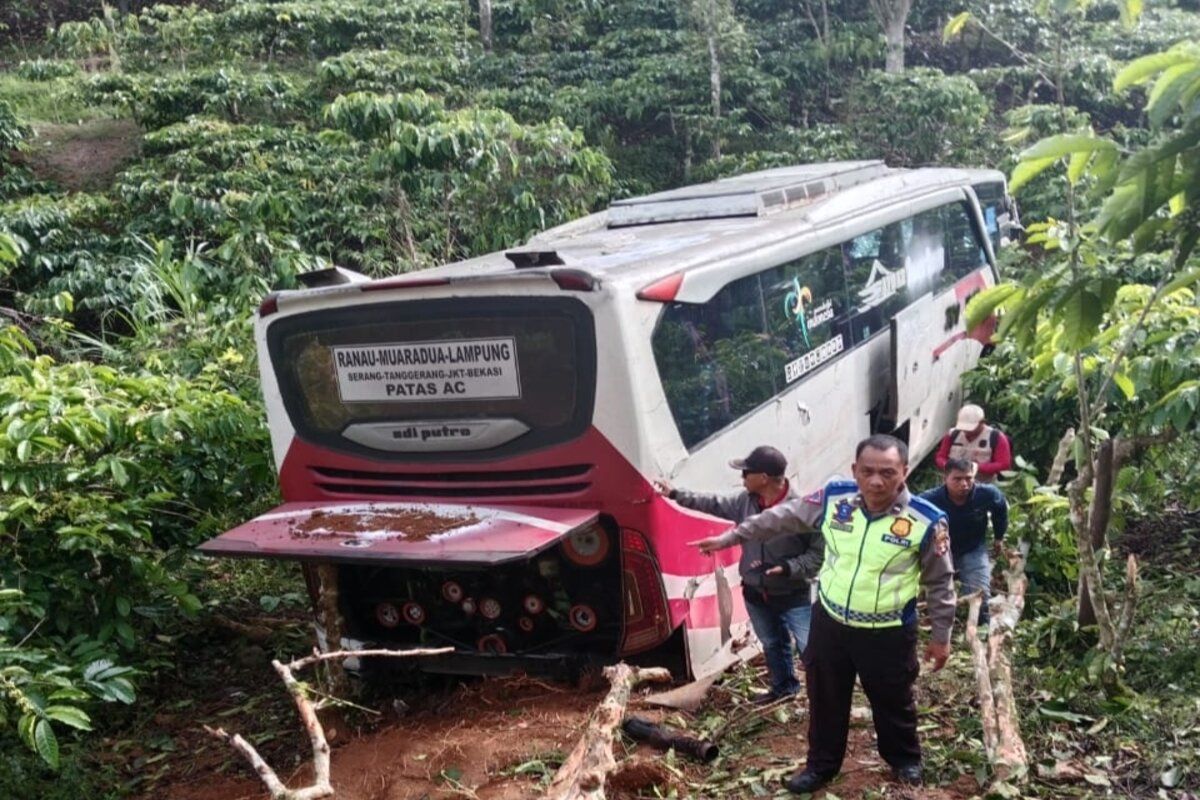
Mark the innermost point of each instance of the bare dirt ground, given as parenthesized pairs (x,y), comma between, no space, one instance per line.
(493,739)
(86,156)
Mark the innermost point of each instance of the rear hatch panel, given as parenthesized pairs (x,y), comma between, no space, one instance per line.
(400,534)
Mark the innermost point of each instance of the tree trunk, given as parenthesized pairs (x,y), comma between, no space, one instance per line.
(1098,522)
(894,33)
(892,16)
(712,26)
(485,24)
(330,616)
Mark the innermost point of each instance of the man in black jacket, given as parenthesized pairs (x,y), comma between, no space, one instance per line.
(774,583)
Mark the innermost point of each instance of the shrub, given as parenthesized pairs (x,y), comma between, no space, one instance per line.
(918,117)
(42,69)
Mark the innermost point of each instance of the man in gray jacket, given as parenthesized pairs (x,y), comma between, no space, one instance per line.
(775,572)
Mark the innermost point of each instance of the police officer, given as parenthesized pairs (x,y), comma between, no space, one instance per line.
(882,545)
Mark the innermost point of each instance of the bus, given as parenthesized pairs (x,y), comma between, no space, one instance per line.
(469,450)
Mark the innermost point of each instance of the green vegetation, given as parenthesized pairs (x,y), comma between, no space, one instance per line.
(224,147)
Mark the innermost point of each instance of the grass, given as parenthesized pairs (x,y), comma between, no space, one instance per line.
(57,101)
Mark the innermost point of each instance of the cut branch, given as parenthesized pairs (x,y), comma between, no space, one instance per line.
(1011,757)
(1128,607)
(983,678)
(993,674)
(583,774)
(321,786)
(1060,458)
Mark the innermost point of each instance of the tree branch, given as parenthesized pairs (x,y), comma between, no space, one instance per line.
(1060,458)
(321,786)
(1115,364)
(583,774)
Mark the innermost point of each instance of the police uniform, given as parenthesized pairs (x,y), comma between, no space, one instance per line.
(866,621)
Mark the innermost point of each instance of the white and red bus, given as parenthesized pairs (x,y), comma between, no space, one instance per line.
(473,445)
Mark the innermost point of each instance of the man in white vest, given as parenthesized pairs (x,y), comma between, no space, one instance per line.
(972,439)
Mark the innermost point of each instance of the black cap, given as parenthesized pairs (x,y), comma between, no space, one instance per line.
(762,459)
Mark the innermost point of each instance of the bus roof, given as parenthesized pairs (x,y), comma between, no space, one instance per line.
(643,238)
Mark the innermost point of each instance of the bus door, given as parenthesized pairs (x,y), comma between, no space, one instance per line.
(918,378)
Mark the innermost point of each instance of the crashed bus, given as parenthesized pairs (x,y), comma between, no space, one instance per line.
(471,448)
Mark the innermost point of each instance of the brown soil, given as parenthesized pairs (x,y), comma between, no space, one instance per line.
(416,526)
(493,739)
(83,157)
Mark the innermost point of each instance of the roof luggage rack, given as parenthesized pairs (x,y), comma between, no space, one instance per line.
(753,195)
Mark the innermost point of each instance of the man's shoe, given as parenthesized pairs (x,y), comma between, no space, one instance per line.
(910,775)
(770,697)
(806,782)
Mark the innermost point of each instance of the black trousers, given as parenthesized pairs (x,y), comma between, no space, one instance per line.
(885,660)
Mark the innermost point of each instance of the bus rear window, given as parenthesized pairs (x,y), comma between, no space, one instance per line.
(463,375)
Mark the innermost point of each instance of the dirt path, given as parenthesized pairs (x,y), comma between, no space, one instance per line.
(83,157)
(498,739)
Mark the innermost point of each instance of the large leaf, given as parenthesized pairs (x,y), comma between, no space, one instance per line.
(46,743)
(984,304)
(1079,315)
(1065,144)
(1143,68)
(1026,171)
(1168,91)
(70,715)
(955,26)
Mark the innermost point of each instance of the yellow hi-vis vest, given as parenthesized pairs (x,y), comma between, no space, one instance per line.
(872,568)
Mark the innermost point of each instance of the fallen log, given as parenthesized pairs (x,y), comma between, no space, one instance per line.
(993,675)
(583,774)
(321,786)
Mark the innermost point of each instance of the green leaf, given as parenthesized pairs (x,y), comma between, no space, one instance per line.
(46,743)
(1130,11)
(955,26)
(1065,144)
(1125,384)
(1142,68)
(1026,171)
(121,689)
(69,715)
(984,304)
(1079,315)
(1076,166)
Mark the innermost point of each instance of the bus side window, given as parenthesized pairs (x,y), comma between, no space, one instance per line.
(992,204)
(925,254)
(716,360)
(964,252)
(876,277)
(806,310)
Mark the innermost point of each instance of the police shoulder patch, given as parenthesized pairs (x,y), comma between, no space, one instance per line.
(941,538)
(816,498)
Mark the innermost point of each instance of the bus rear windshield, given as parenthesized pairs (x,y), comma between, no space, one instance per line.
(463,376)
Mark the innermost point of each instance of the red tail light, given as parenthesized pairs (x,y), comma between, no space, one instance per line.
(573,280)
(662,290)
(647,618)
(269,305)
